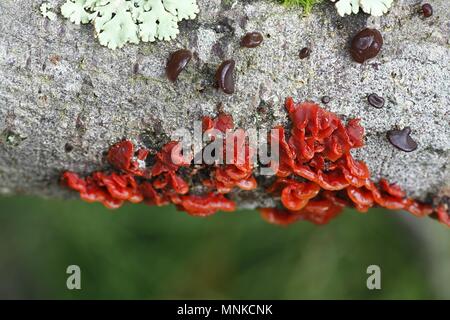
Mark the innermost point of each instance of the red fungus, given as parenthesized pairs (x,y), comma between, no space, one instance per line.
(295,195)
(117,187)
(237,170)
(223,122)
(316,175)
(362,198)
(74,182)
(278,216)
(205,205)
(443,214)
(317,211)
(170,158)
(321,211)
(151,196)
(391,189)
(120,155)
(319,151)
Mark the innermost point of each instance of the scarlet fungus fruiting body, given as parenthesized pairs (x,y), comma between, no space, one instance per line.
(316,175)
(238,168)
(317,152)
(204,205)
(160,184)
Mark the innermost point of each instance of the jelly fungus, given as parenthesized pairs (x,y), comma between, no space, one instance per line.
(205,205)
(68,147)
(304,53)
(325,99)
(316,177)
(427,10)
(402,140)
(366,44)
(375,100)
(161,183)
(252,40)
(176,63)
(234,173)
(225,76)
(443,214)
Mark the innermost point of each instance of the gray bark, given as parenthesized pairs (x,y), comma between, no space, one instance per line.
(64,99)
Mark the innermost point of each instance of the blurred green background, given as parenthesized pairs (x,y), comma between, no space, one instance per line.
(139,252)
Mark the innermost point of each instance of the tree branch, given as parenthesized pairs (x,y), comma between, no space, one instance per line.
(64,99)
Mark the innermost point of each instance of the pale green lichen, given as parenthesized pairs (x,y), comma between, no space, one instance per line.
(117,22)
(46,11)
(373,7)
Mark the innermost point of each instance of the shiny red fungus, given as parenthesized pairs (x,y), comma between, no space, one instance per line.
(316,175)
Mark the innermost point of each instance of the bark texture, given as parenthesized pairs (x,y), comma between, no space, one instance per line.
(64,99)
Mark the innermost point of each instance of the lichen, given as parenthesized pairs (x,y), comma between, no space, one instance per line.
(346,7)
(118,22)
(46,11)
(373,7)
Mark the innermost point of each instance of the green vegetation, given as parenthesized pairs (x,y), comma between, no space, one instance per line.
(140,252)
(306,4)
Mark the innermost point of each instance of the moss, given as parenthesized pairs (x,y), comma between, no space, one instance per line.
(306,4)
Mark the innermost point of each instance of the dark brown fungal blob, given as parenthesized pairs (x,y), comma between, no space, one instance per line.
(136,68)
(366,44)
(402,140)
(176,63)
(427,10)
(304,53)
(224,76)
(325,99)
(252,40)
(375,100)
(68,147)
